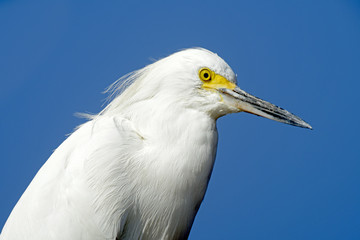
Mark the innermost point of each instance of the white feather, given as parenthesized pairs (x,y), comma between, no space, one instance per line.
(137,170)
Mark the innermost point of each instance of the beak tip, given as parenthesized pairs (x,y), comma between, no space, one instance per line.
(303,124)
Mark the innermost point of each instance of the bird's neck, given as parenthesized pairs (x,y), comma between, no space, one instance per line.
(187,135)
(177,165)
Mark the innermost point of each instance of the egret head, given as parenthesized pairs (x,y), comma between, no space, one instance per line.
(200,79)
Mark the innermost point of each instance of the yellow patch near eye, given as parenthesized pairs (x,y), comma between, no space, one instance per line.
(211,80)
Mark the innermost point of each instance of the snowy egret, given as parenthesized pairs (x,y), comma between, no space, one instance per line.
(140,168)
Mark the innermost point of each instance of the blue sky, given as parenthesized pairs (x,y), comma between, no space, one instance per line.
(271,180)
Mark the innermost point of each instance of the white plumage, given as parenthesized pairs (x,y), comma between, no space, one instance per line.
(140,168)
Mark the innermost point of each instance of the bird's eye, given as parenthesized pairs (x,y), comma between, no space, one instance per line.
(205,74)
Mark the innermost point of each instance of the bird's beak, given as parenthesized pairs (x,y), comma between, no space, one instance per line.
(246,102)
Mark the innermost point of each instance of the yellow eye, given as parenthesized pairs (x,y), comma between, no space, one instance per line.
(205,74)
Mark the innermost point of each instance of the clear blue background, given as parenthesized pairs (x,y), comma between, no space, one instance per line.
(270,181)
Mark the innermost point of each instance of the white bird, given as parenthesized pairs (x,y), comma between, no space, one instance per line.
(140,168)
